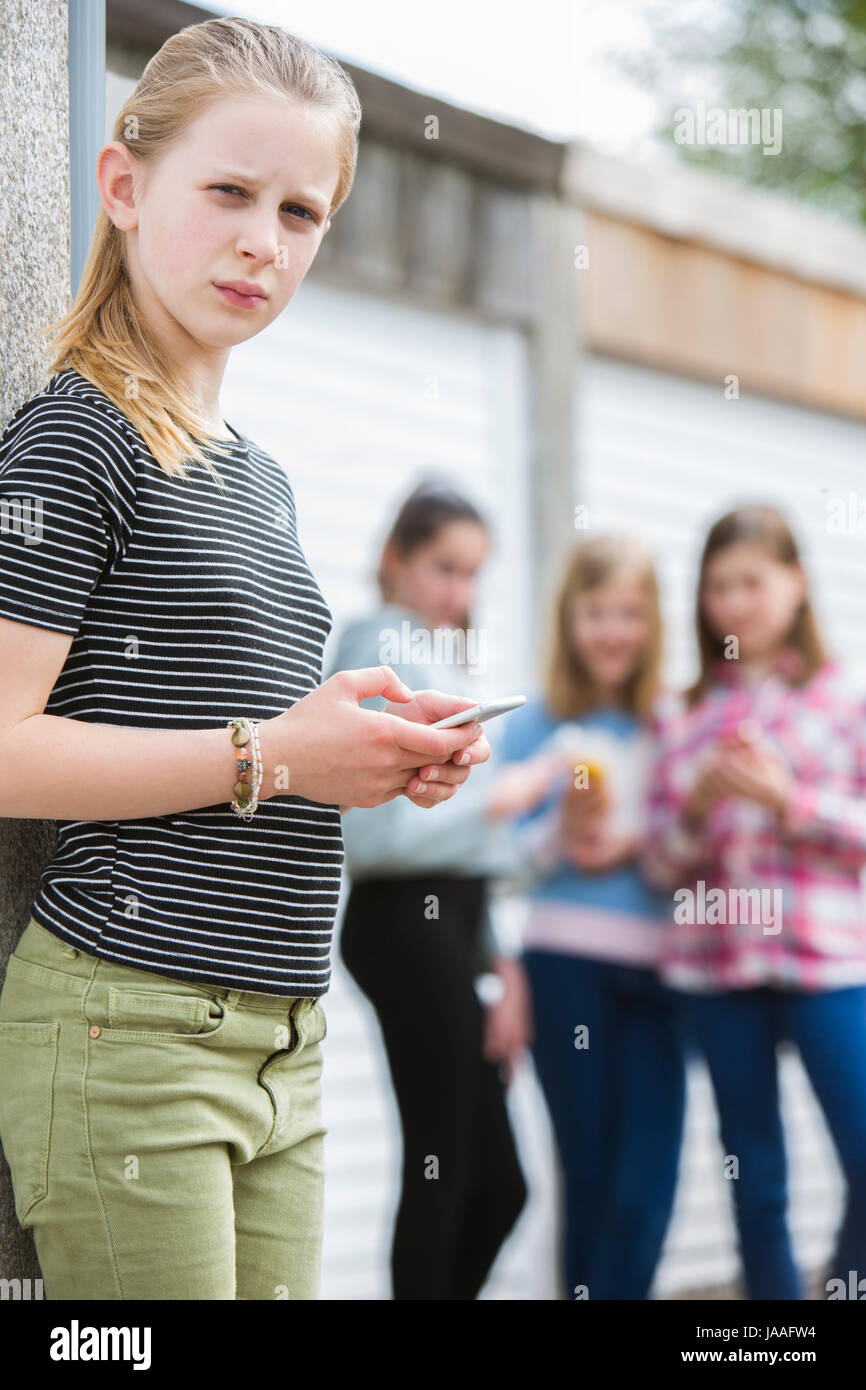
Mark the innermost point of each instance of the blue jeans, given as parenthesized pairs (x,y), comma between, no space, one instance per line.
(617,1108)
(738,1031)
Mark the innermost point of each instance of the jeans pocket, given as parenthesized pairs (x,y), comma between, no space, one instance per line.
(156,1014)
(28,1058)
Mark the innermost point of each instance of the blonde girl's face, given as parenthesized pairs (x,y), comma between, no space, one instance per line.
(611,628)
(748,595)
(243,196)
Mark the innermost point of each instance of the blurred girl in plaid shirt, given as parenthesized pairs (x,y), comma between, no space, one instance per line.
(757,826)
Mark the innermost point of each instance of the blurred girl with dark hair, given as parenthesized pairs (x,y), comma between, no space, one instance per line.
(417,932)
(758,821)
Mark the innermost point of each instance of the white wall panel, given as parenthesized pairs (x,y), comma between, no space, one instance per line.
(663,457)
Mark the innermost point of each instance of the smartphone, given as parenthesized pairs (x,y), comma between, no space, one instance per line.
(480,712)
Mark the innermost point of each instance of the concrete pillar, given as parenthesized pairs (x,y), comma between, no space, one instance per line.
(34,289)
(552,365)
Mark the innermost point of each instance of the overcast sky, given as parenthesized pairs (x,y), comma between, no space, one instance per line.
(540,65)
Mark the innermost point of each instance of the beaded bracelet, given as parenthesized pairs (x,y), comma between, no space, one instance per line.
(246,795)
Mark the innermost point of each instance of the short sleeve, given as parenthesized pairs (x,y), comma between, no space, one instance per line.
(67,490)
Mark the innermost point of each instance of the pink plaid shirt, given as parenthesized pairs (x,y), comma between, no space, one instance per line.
(758,898)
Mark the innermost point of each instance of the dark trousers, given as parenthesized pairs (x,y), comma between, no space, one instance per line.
(617,1105)
(463,1187)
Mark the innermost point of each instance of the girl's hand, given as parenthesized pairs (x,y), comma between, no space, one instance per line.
(709,787)
(601,852)
(437,781)
(327,749)
(508,1023)
(520,786)
(753,770)
(581,809)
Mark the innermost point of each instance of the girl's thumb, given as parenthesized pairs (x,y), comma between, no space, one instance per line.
(380,680)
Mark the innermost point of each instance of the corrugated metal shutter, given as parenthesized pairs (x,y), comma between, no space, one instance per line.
(661,457)
(358,396)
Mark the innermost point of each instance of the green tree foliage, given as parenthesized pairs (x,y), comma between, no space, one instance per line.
(805,58)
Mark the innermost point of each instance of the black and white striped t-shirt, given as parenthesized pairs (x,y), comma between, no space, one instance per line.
(187,606)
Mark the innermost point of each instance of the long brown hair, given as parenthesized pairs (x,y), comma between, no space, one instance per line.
(430,506)
(103,335)
(568,686)
(767,527)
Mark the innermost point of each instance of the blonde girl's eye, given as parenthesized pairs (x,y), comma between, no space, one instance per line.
(232,189)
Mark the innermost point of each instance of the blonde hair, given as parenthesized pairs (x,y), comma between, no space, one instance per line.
(103,336)
(568,685)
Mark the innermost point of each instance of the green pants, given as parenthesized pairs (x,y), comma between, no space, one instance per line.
(165,1139)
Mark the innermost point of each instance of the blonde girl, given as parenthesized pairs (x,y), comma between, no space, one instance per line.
(607,1046)
(161,636)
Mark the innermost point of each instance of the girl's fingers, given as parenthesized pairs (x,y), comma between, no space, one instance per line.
(416,738)
(437,782)
(476,752)
(443,774)
(429,793)
(426,802)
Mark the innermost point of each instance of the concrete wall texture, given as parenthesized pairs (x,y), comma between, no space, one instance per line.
(34,291)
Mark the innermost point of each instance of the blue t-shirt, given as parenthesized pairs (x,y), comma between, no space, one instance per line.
(621,890)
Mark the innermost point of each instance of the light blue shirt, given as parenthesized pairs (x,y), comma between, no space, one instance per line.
(398,838)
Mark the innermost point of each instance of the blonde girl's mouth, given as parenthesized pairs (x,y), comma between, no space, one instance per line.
(232,294)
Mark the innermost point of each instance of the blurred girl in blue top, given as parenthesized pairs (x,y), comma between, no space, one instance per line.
(608,1044)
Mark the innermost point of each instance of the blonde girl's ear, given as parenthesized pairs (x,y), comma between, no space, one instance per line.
(115,178)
